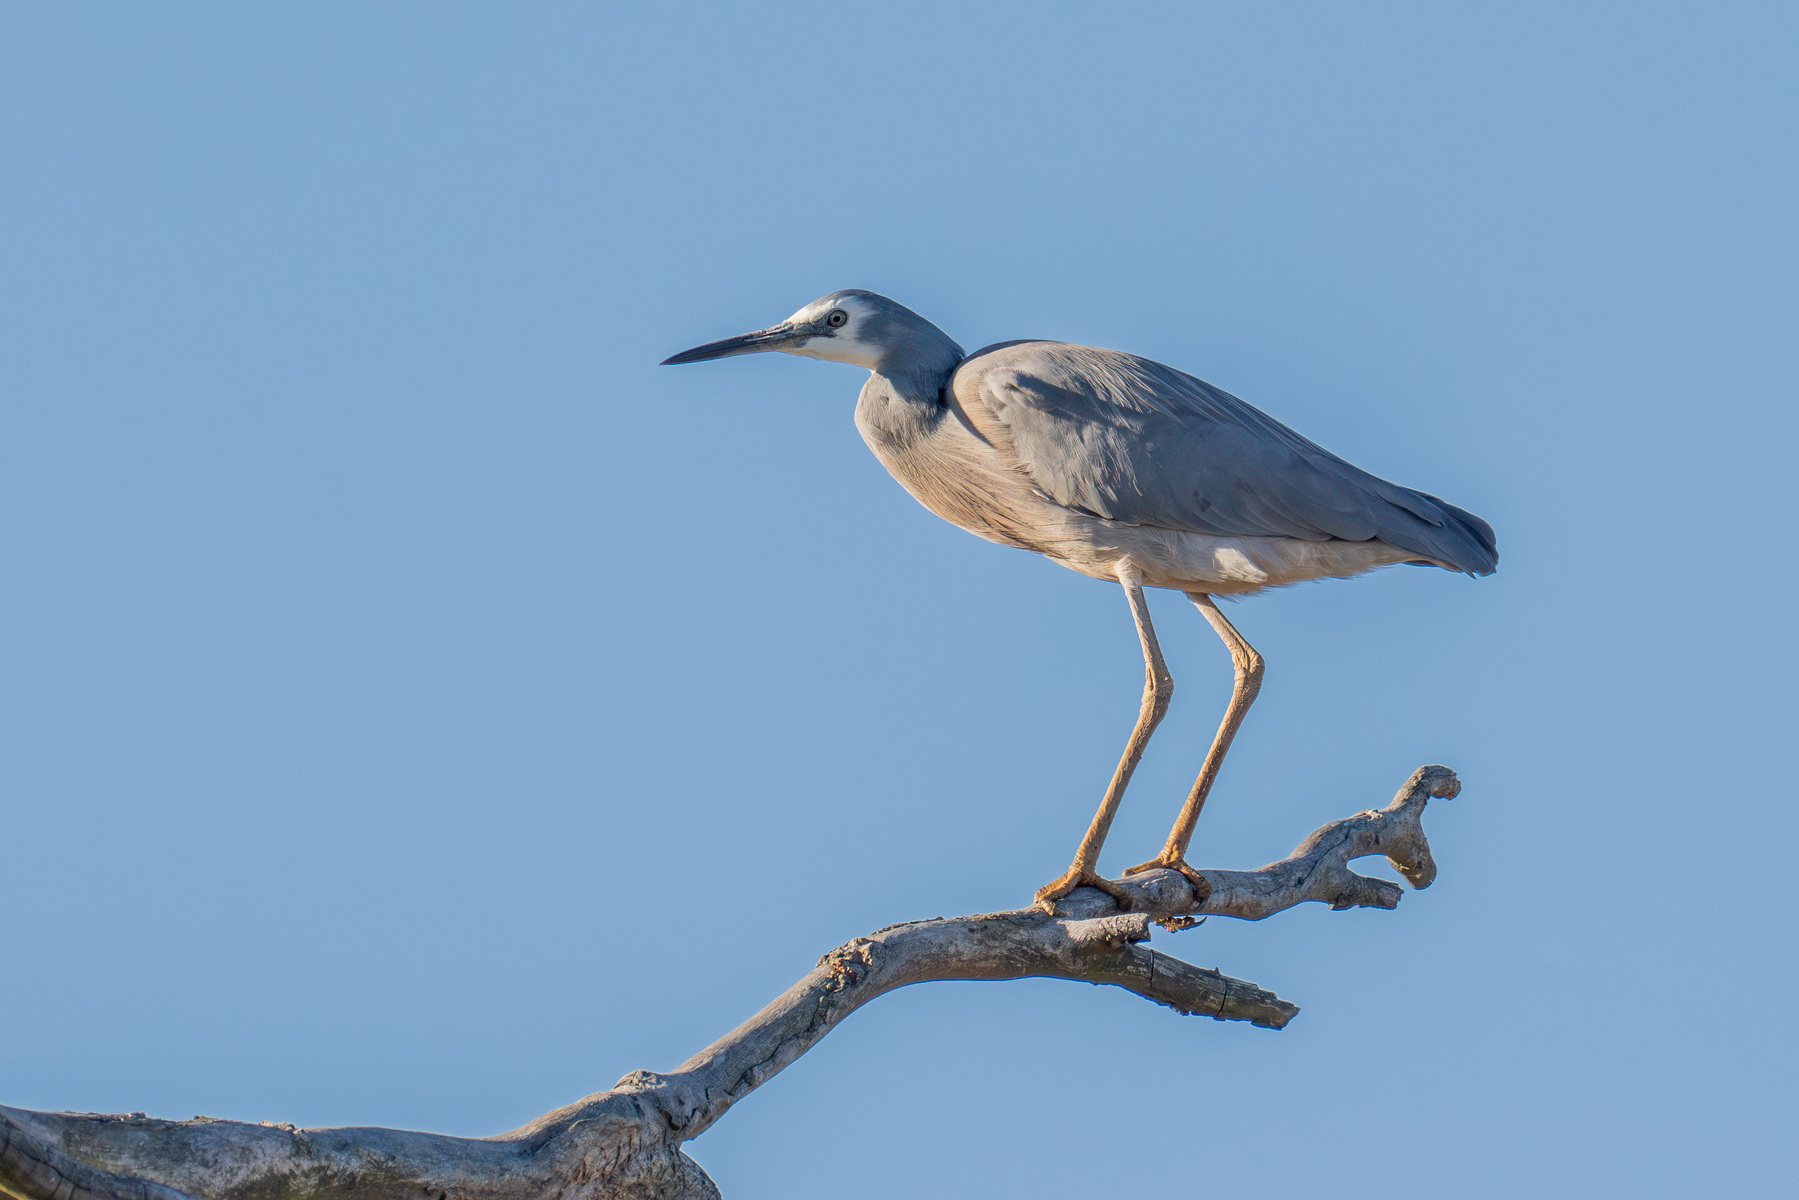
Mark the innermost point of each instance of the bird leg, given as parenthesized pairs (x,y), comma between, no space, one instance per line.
(1248,664)
(1158,689)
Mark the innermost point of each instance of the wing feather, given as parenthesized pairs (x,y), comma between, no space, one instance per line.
(1131,440)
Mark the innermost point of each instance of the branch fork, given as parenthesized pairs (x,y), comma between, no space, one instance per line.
(625,1143)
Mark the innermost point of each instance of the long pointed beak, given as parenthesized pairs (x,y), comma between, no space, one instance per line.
(780,336)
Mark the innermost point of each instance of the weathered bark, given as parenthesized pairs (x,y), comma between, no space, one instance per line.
(625,1144)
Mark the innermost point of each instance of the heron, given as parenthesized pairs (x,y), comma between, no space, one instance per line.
(1124,470)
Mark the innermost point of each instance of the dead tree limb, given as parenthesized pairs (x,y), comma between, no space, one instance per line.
(626,1142)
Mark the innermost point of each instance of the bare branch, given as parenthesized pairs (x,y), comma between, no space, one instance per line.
(1009,945)
(625,1143)
(1318,869)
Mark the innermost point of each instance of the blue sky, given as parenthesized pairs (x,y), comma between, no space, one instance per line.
(421,709)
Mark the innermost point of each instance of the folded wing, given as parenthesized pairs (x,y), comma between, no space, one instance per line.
(1131,440)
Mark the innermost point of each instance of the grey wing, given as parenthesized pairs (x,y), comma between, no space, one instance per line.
(1140,443)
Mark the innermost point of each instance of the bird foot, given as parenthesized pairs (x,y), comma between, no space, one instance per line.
(1202,887)
(1074,877)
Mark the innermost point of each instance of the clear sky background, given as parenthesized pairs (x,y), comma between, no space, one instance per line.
(421,709)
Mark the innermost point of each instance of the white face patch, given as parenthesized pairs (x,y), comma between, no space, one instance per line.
(845,346)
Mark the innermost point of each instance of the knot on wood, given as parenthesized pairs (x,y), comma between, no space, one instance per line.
(639,1081)
(849,964)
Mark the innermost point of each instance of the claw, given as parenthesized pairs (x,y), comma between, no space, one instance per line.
(1202,887)
(1048,894)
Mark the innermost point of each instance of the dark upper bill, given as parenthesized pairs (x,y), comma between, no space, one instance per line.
(779,337)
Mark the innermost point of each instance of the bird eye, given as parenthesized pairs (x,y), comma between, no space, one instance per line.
(838,319)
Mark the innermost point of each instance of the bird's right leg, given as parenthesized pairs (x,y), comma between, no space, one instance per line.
(1248,664)
(1158,689)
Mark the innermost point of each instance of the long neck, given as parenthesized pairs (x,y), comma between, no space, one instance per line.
(898,406)
(893,413)
(903,398)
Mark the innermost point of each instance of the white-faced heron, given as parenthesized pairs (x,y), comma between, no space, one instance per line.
(1122,469)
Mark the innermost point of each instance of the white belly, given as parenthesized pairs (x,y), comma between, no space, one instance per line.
(1198,562)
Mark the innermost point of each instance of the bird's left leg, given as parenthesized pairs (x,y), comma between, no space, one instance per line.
(1248,664)
(1158,689)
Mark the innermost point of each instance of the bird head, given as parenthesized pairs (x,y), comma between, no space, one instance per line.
(851,326)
